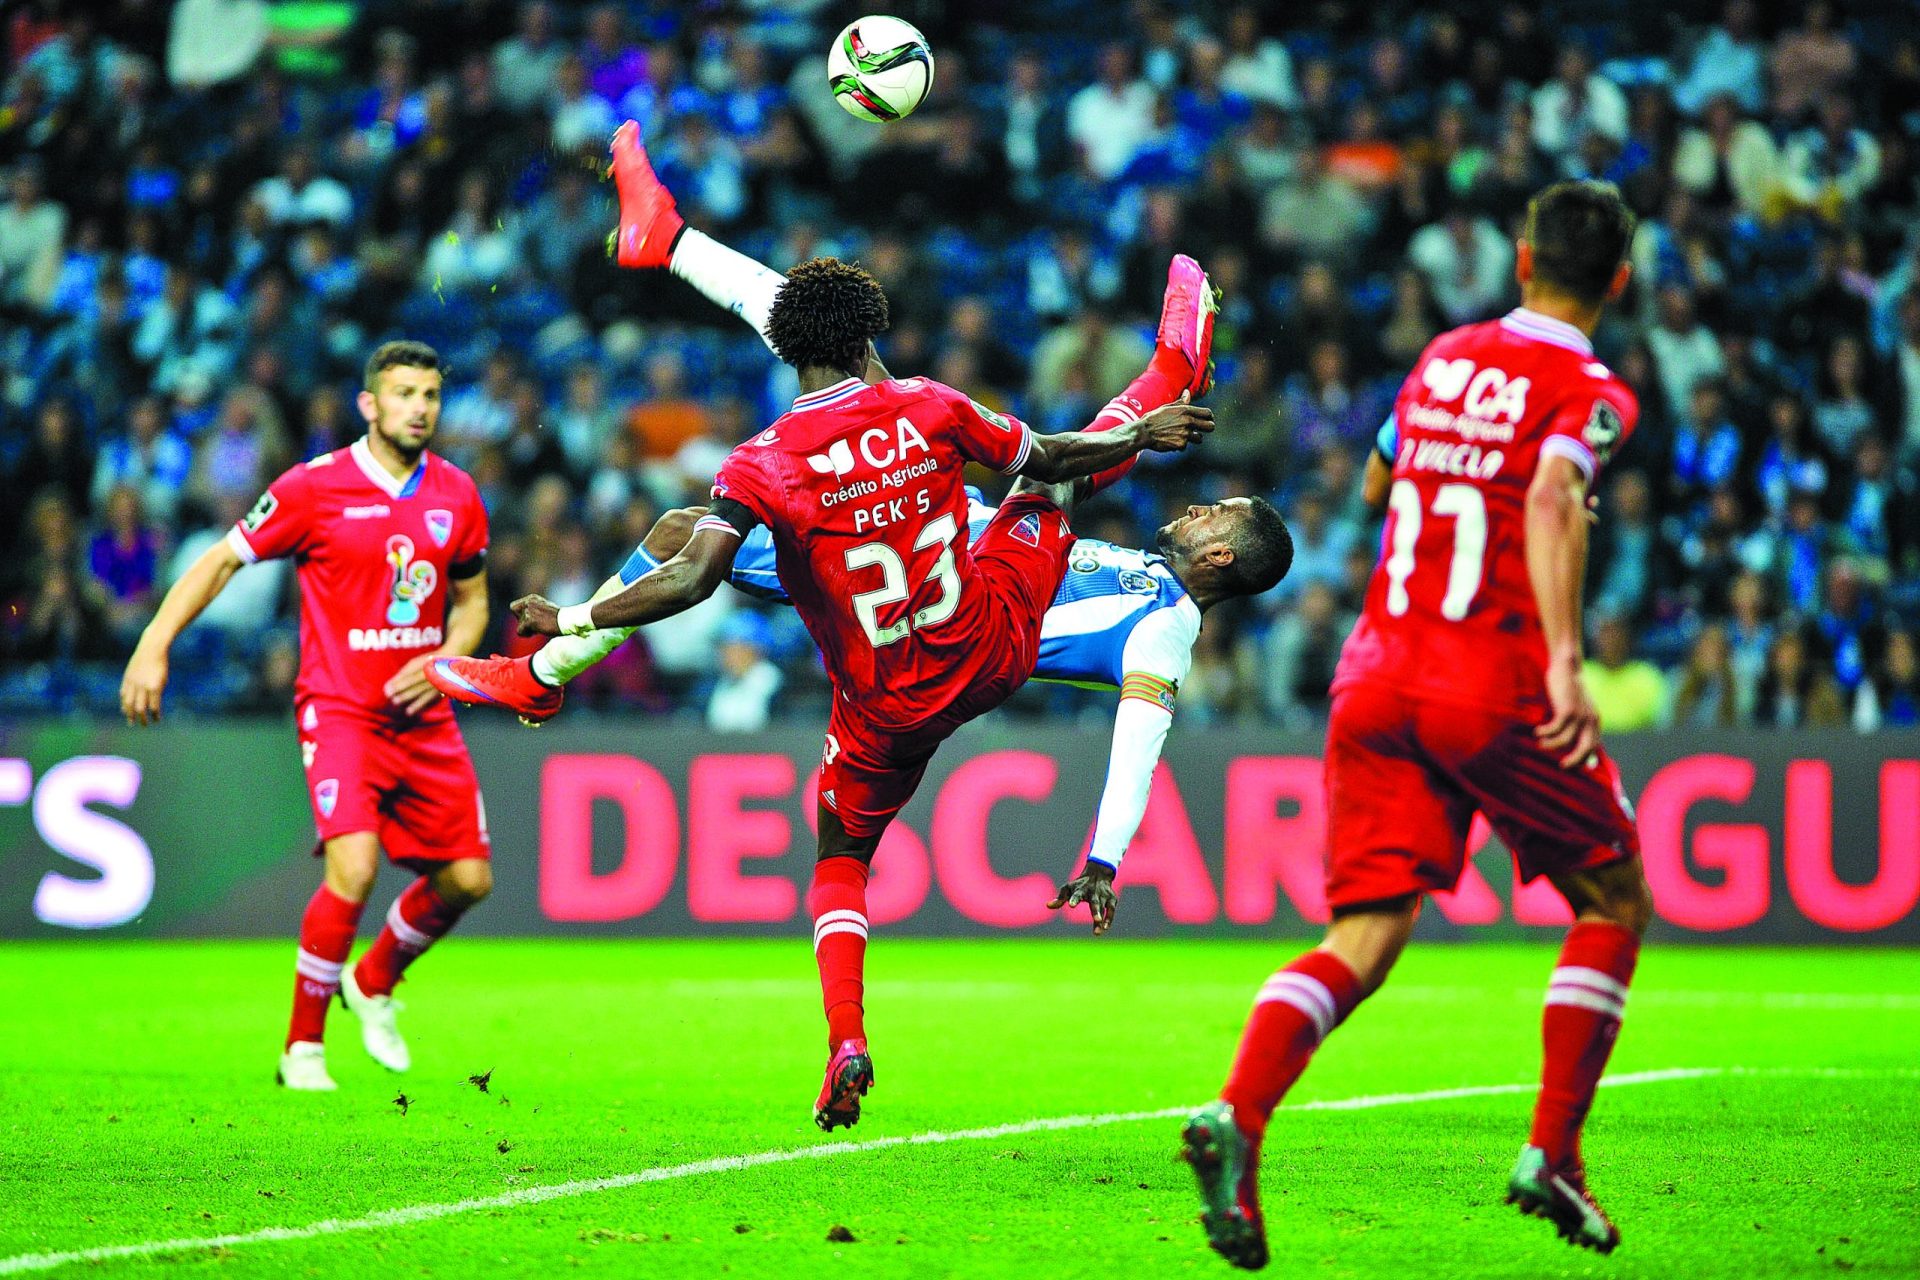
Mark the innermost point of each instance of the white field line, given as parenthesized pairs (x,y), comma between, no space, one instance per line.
(21,1264)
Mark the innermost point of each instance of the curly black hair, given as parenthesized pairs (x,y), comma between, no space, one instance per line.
(1262,550)
(825,314)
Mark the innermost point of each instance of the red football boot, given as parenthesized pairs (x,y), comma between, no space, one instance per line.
(648,220)
(849,1075)
(502,682)
(1186,320)
(1224,1161)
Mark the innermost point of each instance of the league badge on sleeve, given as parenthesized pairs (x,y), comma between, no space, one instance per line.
(440,526)
(262,509)
(1603,430)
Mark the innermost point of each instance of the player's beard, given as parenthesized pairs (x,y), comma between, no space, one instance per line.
(1164,540)
(400,441)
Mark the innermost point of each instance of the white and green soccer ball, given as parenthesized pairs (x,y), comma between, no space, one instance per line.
(880,68)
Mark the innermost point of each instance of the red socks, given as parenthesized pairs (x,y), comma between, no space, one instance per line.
(326,935)
(418,918)
(1160,385)
(1291,1016)
(838,904)
(1585,1001)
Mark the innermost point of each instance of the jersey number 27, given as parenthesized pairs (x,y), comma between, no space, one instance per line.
(893,585)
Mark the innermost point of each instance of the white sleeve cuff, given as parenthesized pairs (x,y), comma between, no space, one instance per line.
(238,541)
(1573,451)
(1026,452)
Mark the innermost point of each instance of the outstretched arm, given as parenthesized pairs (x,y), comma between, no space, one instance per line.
(1157,657)
(569,655)
(676,586)
(146,675)
(1073,454)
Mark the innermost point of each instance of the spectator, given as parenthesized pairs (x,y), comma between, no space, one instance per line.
(743,694)
(1907,360)
(1811,63)
(1829,168)
(1030,125)
(1315,214)
(1730,59)
(582,119)
(1791,461)
(1257,66)
(1684,349)
(1843,413)
(33,232)
(1577,104)
(1301,652)
(667,416)
(1111,356)
(1625,550)
(1111,119)
(1706,446)
(1730,164)
(526,65)
(1628,693)
(55,459)
(1891,700)
(1795,693)
(150,459)
(614,63)
(1321,540)
(1706,692)
(1467,262)
(1325,404)
(124,559)
(476,250)
(245,450)
(301,194)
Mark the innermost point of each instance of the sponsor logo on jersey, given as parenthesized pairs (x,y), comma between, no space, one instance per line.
(326,794)
(440,526)
(1084,562)
(262,511)
(831,750)
(837,461)
(1486,394)
(767,437)
(308,747)
(372,511)
(876,446)
(1603,430)
(375,639)
(311,720)
(413,581)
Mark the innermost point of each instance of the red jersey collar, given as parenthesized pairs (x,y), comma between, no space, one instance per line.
(1531,324)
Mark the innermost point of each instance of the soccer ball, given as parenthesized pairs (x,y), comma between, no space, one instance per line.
(880,68)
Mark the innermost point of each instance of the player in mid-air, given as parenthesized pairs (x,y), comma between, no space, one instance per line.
(860,485)
(1122,619)
(391,544)
(1460,689)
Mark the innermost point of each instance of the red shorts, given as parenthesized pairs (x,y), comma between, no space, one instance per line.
(1404,778)
(869,772)
(413,786)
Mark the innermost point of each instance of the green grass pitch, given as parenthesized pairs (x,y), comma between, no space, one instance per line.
(137,1105)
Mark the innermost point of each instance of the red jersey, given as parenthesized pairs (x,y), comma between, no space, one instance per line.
(862,488)
(375,556)
(1450,613)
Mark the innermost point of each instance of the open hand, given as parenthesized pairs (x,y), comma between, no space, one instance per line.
(140,688)
(1573,731)
(538,615)
(1173,427)
(408,690)
(1094,887)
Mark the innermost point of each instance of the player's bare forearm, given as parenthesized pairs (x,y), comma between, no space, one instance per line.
(1556,564)
(1075,454)
(468,613)
(1377,481)
(1557,525)
(145,679)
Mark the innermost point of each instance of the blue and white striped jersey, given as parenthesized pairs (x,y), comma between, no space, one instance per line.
(1117,611)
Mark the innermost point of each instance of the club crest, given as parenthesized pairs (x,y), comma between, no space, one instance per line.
(326,794)
(440,526)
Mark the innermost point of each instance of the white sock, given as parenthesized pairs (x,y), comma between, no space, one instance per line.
(727,278)
(565,657)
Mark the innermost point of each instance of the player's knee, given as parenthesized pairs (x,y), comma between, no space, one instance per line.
(1617,893)
(467,881)
(351,865)
(1630,904)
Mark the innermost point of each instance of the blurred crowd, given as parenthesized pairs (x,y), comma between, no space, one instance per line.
(215,208)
